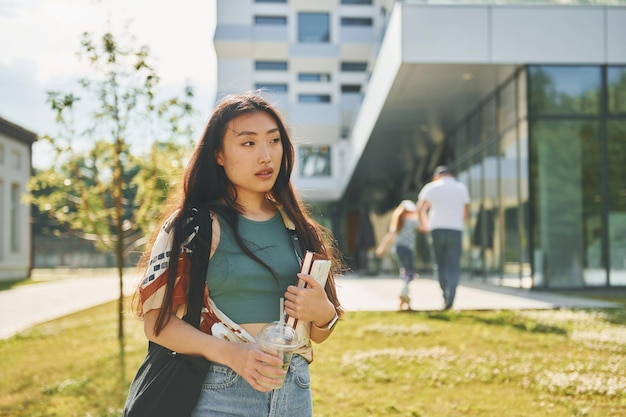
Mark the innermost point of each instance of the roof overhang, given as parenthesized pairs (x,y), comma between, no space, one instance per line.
(436,64)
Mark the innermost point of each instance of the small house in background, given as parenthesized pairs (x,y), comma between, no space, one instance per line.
(15,229)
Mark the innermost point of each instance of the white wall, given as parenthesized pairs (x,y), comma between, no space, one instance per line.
(503,34)
(15,157)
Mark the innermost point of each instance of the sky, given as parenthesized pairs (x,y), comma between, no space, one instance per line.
(39,40)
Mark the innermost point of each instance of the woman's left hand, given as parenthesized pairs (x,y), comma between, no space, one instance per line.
(309,303)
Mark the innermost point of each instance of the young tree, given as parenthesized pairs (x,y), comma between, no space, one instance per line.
(97,188)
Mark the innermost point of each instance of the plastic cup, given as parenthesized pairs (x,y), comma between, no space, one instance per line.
(280,340)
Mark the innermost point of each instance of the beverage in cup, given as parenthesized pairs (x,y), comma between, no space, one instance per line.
(280,340)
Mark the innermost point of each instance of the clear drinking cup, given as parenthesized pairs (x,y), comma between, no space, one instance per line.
(280,340)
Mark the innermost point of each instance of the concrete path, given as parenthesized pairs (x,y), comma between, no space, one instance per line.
(24,306)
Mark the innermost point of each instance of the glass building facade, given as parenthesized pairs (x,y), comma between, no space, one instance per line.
(544,157)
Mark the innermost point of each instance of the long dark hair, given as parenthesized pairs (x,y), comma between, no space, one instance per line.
(206,186)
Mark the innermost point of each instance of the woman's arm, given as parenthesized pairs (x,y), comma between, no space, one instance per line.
(385,242)
(246,359)
(311,304)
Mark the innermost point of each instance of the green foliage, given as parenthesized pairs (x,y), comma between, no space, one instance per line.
(99,188)
(450,364)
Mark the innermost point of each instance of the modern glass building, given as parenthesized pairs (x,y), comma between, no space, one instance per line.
(527,102)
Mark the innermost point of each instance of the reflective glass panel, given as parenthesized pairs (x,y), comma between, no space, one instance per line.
(273,87)
(510,205)
(617,200)
(313,27)
(314,98)
(353,66)
(315,161)
(270,65)
(270,20)
(564,90)
(567,158)
(616,80)
(310,77)
(507,110)
(356,21)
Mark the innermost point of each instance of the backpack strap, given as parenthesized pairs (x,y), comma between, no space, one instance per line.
(199,228)
(291,229)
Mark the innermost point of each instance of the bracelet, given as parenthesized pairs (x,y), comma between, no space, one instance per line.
(328,327)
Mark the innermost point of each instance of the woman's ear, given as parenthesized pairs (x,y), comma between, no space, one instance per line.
(219,158)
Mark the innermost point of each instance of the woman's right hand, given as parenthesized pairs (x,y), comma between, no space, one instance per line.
(256,366)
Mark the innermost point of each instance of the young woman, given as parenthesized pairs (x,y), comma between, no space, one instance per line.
(240,174)
(403,231)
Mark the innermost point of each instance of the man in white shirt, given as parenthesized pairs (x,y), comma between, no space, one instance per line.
(443,206)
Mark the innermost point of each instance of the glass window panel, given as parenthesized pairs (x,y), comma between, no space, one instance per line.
(270,1)
(617,200)
(356,21)
(314,98)
(313,27)
(313,77)
(522,95)
(270,20)
(351,88)
(507,109)
(270,65)
(273,87)
(315,161)
(488,216)
(568,218)
(565,90)
(489,117)
(353,66)
(15,217)
(616,79)
(510,204)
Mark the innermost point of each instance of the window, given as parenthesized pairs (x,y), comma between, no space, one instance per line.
(15,220)
(270,20)
(270,1)
(315,161)
(270,65)
(565,90)
(616,80)
(351,88)
(313,77)
(356,2)
(314,98)
(16,155)
(273,87)
(353,66)
(313,27)
(356,21)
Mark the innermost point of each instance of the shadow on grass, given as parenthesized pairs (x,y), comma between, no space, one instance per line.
(8,285)
(501,318)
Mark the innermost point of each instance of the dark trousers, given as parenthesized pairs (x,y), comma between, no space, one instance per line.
(447,245)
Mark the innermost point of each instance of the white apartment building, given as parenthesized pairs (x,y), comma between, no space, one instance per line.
(15,230)
(526,101)
(312,59)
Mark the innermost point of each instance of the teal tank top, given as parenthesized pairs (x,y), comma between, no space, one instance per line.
(241,287)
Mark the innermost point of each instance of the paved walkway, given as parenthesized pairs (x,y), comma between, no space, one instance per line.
(24,306)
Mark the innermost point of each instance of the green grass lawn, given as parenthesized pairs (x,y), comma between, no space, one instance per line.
(448,364)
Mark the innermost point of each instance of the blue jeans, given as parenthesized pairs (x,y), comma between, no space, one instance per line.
(225,393)
(406,259)
(446,245)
